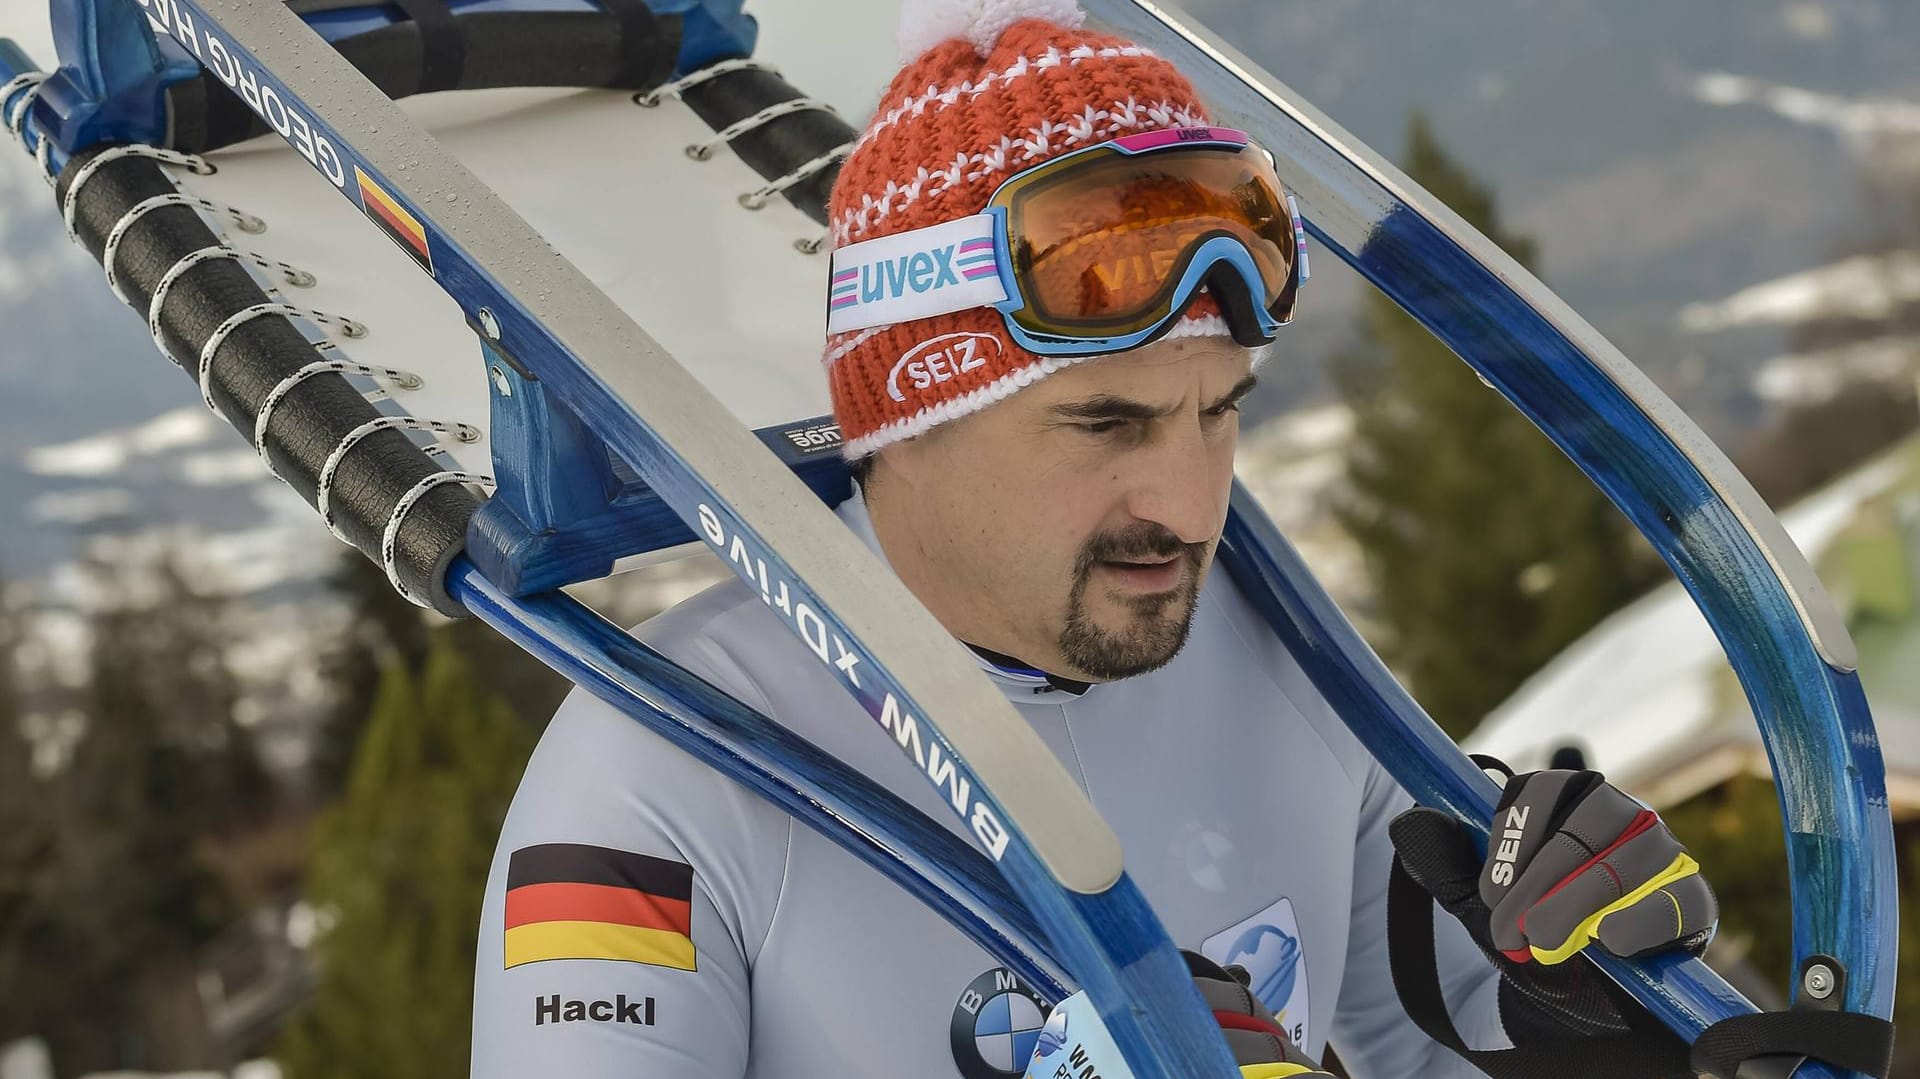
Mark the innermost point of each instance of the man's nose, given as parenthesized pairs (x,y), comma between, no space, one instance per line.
(1172,483)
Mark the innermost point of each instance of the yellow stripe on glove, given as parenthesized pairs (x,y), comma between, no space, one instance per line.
(1275,1071)
(1589,930)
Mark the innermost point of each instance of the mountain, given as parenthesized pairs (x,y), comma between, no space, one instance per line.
(1661,154)
(1665,156)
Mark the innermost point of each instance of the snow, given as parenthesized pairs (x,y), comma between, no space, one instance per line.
(1862,287)
(55,646)
(1807,21)
(252,560)
(1326,428)
(25,1059)
(80,507)
(236,467)
(305,923)
(231,562)
(28,1058)
(1857,121)
(1292,465)
(111,451)
(155,1075)
(1800,377)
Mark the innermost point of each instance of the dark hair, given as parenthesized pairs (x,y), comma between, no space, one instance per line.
(863,469)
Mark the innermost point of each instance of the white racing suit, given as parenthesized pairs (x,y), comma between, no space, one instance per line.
(646,918)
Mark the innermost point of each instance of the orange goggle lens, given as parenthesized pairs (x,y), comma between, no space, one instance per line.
(1101,246)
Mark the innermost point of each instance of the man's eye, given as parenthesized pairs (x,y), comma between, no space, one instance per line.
(1103,427)
(1224,408)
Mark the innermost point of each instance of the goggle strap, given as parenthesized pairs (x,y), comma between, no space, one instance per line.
(937,270)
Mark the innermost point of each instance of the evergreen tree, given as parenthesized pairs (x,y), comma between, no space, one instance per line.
(382,629)
(129,898)
(1489,551)
(400,866)
(385,629)
(25,844)
(529,687)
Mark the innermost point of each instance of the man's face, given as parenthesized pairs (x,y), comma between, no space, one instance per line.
(1071,524)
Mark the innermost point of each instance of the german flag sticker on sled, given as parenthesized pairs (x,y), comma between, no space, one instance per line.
(572,901)
(394,220)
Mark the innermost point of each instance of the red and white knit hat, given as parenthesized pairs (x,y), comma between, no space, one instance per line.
(990,87)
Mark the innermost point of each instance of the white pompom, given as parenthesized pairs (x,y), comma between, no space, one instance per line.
(926,23)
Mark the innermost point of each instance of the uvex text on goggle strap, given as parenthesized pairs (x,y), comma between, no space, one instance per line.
(1098,250)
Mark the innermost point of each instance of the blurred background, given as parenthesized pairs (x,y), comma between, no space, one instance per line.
(223,740)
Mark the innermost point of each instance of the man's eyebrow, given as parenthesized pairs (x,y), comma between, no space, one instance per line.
(1106,407)
(1239,392)
(1109,407)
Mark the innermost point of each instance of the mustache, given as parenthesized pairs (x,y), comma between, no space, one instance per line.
(1141,542)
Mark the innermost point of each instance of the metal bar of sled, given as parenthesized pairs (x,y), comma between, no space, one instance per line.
(868,821)
(1781,632)
(1388,721)
(888,651)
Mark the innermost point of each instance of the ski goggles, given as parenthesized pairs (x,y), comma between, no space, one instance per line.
(1098,250)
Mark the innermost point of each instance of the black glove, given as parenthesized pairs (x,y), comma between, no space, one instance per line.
(1564,813)
(1258,1042)
(1572,860)
(1537,1003)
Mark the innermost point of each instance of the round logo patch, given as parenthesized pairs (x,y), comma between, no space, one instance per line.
(996,1024)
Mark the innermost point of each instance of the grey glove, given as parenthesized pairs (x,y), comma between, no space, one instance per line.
(1258,1042)
(1572,859)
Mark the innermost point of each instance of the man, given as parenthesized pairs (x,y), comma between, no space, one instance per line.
(1044,429)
